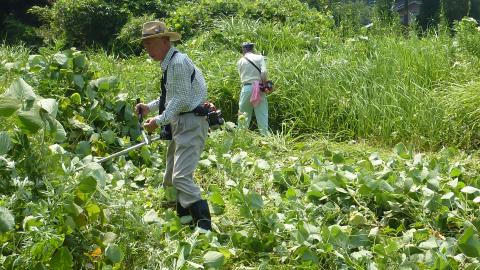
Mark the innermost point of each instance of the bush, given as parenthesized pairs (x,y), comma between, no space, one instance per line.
(190,18)
(84,23)
(125,41)
(138,8)
(468,36)
(207,15)
(18,32)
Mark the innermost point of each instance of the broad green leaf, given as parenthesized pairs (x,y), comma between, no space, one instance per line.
(402,151)
(291,193)
(8,106)
(254,200)
(113,253)
(50,105)
(205,163)
(338,158)
(186,219)
(469,190)
(171,194)
(151,217)
(45,248)
(362,254)
(469,243)
(78,81)
(88,184)
(36,60)
(357,218)
(21,91)
(216,198)
(96,171)
(83,148)
(109,237)
(93,210)
(306,254)
(29,121)
(73,209)
(7,221)
(60,133)
(75,98)
(105,83)
(5,143)
(431,243)
(455,172)
(109,136)
(214,259)
(62,259)
(262,164)
(78,122)
(30,221)
(79,61)
(60,58)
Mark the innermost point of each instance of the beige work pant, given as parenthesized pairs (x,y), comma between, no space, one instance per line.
(189,133)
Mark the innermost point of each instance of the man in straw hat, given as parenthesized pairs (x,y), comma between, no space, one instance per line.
(183,89)
(252,69)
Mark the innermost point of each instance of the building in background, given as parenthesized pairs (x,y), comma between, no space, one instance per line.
(408,10)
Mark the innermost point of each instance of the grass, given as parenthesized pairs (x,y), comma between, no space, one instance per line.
(383,88)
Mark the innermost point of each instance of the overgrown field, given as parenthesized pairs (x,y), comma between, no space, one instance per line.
(362,170)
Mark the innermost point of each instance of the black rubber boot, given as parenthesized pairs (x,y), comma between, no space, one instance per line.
(201,215)
(181,211)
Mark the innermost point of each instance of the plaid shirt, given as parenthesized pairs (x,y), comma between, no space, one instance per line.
(183,95)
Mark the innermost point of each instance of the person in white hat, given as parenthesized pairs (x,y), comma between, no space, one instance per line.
(183,89)
(252,68)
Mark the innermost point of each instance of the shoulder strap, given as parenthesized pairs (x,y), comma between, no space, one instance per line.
(161,105)
(163,86)
(251,62)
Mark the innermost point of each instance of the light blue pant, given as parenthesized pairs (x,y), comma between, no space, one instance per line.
(261,110)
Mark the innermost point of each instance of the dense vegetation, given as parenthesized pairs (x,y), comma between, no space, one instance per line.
(362,171)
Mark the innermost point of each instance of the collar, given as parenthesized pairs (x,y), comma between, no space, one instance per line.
(167,58)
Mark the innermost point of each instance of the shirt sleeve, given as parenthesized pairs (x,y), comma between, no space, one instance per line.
(153,105)
(180,92)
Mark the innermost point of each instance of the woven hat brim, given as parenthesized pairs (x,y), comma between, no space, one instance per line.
(173,36)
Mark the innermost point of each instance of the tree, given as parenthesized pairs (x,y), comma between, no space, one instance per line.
(455,10)
(383,10)
(429,14)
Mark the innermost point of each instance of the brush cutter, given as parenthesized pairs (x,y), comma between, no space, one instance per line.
(146,141)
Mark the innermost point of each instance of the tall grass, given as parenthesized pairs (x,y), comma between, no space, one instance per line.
(379,86)
(385,88)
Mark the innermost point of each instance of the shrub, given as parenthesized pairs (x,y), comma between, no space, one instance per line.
(125,41)
(203,15)
(159,9)
(468,35)
(17,32)
(190,18)
(84,23)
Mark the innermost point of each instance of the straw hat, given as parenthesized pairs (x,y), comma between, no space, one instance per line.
(155,29)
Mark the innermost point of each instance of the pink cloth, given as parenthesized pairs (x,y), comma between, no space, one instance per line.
(255,97)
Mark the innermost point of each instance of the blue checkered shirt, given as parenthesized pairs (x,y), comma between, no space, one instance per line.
(183,95)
